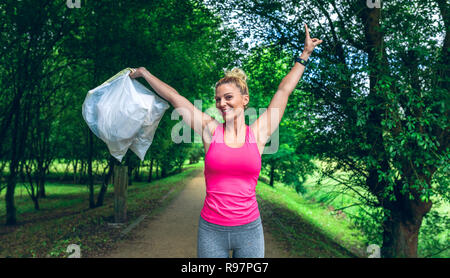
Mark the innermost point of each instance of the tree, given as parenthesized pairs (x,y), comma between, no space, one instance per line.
(266,66)
(378,102)
(28,44)
(52,55)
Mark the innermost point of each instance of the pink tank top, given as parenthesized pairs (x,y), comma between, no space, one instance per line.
(231,175)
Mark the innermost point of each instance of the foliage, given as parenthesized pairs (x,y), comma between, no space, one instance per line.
(373,103)
(266,67)
(377,98)
(307,228)
(196,153)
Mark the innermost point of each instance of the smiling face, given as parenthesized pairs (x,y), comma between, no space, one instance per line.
(230,101)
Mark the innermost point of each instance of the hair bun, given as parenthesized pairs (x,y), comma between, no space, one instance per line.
(237,72)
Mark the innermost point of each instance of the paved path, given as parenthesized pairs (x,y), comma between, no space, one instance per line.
(173,232)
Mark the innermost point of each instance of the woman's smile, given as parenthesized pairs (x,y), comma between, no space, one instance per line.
(226,110)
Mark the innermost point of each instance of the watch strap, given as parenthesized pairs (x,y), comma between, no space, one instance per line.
(301,61)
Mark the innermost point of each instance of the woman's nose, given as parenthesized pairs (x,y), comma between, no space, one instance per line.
(222,103)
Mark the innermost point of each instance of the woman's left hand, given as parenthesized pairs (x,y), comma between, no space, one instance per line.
(310,44)
(139,72)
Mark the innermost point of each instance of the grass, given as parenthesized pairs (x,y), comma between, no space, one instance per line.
(65,218)
(433,240)
(307,229)
(302,223)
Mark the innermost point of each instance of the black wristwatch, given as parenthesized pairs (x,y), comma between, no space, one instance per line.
(301,61)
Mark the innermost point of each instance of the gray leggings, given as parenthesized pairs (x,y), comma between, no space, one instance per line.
(216,241)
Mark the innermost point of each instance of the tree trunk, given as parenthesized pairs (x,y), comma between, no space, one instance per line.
(75,171)
(156,169)
(120,193)
(12,177)
(150,173)
(41,188)
(401,228)
(41,184)
(400,238)
(90,176)
(163,172)
(180,167)
(128,162)
(272,173)
(9,198)
(35,202)
(33,180)
(106,181)
(82,172)
(137,176)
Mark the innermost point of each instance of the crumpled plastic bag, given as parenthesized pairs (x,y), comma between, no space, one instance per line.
(124,114)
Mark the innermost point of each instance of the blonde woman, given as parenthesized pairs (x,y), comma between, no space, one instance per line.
(230,218)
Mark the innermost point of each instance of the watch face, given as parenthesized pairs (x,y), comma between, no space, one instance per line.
(301,61)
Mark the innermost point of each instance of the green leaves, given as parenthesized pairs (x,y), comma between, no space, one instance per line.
(377,96)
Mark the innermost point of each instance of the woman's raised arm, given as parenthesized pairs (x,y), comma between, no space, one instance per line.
(195,118)
(268,122)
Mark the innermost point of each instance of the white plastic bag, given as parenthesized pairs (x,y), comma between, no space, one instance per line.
(124,114)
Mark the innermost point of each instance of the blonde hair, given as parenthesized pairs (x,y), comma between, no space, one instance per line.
(237,77)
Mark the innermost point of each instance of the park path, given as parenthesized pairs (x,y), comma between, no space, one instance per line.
(173,232)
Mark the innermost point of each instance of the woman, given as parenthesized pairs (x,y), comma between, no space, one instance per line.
(230,219)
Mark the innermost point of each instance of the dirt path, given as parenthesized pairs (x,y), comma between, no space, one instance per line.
(173,232)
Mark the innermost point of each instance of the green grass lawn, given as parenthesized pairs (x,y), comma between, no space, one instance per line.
(433,238)
(308,229)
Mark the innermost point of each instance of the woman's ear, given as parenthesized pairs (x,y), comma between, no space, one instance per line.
(246,100)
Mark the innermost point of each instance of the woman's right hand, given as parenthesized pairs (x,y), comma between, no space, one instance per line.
(310,44)
(139,72)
